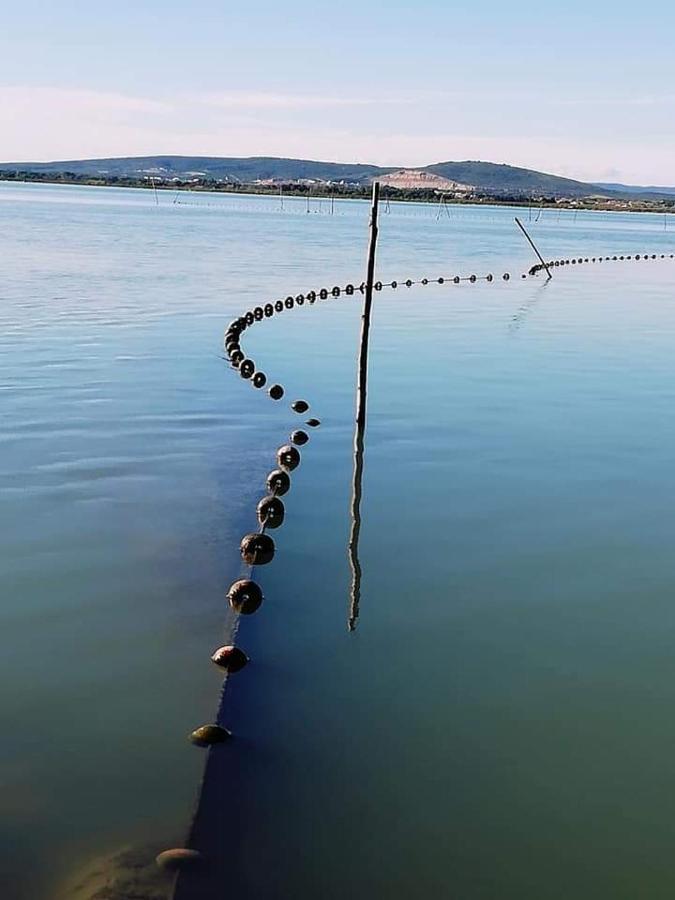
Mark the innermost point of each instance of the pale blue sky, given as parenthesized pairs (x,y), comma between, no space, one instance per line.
(582,89)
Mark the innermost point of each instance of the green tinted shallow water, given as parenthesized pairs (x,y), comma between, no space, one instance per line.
(500,723)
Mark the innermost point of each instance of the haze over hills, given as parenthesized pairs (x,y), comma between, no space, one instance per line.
(480,177)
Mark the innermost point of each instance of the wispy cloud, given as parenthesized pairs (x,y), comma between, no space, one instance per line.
(260,100)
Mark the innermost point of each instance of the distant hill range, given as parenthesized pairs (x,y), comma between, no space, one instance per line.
(460,177)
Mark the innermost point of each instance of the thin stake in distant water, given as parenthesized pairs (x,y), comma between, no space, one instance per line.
(532,244)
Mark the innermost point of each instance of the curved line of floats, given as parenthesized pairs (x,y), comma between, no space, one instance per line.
(257,548)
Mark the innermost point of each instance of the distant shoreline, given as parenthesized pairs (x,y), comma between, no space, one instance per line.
(327,192)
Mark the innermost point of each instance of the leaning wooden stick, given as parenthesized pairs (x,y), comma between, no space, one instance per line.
(532,244)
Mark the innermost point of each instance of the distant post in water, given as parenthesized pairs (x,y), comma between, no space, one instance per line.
(360,429)
(532,244)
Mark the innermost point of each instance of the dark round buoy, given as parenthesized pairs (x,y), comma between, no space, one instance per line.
(276,392)
(378,285)
(394,284)
(311,296)
(178,859)
(349,289)
(336,291)
(237,356)
(288,457)
(425,281)
(245,596)
(456,279)
(271,512)
(278,482)
(441,280)
(269,310)
(300,406)
(250,318)
(290,302)
(246,368)
(488,278)
(230,658)
(300,299)
(323,293)
(258,313)
(259,379)
(207,735)
(299,437)
(473,279)
(506,276)
(408,282)
(313,423)
(279,305)
(257,549)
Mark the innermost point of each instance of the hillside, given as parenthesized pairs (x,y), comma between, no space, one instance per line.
(246,169)
(484,178)
(504,179)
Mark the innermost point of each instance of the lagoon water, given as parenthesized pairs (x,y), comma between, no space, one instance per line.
(500,723)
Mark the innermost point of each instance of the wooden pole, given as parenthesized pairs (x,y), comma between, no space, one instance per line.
(365,316)
(360,429)
(532,244)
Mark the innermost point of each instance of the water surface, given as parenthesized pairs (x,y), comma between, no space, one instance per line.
(499,722)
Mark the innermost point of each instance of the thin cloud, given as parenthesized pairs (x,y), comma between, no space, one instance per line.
(249,100)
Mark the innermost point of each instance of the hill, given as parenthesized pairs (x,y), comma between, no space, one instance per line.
(503,179)
(483,178)
(223,168)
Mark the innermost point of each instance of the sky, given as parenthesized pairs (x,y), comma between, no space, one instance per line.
(581,89)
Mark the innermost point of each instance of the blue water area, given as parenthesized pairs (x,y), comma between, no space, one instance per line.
(498,723)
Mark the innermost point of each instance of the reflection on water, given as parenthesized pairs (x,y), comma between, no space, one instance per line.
(353,548)
(520,317)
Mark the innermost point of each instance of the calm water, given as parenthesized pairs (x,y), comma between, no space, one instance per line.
(500,723)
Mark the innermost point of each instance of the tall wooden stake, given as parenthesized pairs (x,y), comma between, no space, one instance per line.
(360,429)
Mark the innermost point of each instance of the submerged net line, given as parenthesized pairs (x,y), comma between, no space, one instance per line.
(257,548)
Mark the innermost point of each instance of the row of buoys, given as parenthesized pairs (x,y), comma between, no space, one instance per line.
(598,259)
(257,548)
